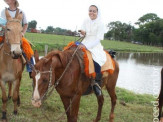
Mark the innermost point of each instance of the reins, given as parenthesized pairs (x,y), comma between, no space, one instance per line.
(45,96)
(49,92)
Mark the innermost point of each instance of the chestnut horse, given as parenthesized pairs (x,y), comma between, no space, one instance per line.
(160,98)
(11,65)
(71,84)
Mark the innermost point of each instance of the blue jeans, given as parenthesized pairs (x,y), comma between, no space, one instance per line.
(29,64)
(97,67)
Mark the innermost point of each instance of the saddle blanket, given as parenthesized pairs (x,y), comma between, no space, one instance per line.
(89,65)
(89,68)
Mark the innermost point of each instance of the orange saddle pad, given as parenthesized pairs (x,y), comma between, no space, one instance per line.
(109,65)
(89,69)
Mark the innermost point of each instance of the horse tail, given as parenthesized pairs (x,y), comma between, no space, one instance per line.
(160,98)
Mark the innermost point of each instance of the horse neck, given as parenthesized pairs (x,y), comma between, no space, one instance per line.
(59,70)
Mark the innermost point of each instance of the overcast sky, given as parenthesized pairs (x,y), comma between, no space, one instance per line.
(69,14)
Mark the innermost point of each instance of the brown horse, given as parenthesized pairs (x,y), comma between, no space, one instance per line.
(70,86)
(11,66)
(160,98)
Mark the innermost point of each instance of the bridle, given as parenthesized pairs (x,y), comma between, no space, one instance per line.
(46,95)
(56,83)
(6,36)
(49,85)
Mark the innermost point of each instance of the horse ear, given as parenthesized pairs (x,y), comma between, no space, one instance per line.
(8,17)
(19,16)
(36,55)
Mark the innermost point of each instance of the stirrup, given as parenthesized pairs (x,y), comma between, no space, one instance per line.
(96,88)
(97,85)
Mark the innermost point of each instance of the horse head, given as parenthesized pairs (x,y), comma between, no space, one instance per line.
(13,35)
(44,76)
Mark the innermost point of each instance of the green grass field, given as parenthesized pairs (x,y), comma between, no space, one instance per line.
(137,108)
(59,41)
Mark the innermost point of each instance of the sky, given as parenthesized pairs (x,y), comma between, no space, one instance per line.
(69,14)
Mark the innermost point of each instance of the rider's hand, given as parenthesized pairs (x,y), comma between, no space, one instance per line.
(22,34)
(81,46)
(82,32)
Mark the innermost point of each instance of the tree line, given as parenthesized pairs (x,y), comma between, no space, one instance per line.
(148,30)
(51,29)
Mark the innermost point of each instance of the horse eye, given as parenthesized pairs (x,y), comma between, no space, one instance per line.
(45,80)
(8,29)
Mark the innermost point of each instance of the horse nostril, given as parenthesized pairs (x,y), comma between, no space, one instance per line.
(15,55)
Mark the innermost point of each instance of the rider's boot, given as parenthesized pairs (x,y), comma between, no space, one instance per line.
(97,84)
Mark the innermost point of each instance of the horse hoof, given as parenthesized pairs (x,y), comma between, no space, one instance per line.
(4,116)
(15,112)
(4,120)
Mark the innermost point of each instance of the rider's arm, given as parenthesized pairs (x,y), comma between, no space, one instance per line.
(24,29)
(25,24)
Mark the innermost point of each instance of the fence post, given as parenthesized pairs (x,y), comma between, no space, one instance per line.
(46,49)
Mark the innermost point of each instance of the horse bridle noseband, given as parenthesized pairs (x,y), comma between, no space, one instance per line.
(49,85)
(58,80)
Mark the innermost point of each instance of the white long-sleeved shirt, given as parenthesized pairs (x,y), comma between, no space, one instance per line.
(95,30)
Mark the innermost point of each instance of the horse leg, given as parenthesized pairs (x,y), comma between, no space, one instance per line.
(113,96)
(4,100)
(100,100)
(18,100)
(66,103)
(15,97)
(9,90)
(71,107)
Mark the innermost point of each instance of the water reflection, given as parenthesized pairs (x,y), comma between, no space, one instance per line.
(140,72)
(142,58)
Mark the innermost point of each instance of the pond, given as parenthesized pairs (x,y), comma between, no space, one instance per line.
(140,72)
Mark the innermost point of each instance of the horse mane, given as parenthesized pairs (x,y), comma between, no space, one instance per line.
(64,56)
(52,53)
